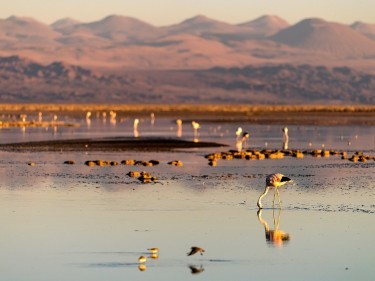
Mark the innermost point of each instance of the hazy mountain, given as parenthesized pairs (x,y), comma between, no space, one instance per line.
(26,81)
(266,25)
(334,38)
(365,28)
(64,24)
(118,42)
(200,25)
(118,28)
(22,28)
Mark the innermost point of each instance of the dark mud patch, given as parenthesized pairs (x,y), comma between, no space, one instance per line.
(107,144)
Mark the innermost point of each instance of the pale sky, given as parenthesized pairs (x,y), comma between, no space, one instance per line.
(165,12)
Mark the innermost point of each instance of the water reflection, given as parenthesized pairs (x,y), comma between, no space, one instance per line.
(142,267)
(194,269)
(275,236)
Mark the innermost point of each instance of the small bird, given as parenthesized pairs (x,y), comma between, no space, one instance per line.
(274,180)
(195,250)
(153,250)
(142,259)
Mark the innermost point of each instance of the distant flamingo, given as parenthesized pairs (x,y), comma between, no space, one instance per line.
(135,126)
(275,181)
(112,119)
(285,138)
(196,126)
(238,133)
(179,128)
(152,116)
(88,118)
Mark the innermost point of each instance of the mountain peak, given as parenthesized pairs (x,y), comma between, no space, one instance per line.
(330,37)
(266,25)
(197,19)
(63,23)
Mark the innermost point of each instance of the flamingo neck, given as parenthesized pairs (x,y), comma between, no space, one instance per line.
(260,198)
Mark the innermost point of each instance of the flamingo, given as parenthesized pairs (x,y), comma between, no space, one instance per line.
(196,126)
(285,138)
(275,181)
(179,127)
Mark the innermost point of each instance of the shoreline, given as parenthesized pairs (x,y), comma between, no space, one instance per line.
(323,115)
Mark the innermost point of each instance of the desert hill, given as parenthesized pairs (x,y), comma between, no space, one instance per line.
(120,42)
(322,36)
(123,59)
(365,28)
(266,25)
(23,81)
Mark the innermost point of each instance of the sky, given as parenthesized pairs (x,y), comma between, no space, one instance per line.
(165,12)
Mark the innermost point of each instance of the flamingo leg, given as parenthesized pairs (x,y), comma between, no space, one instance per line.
(274,197)
(278,196)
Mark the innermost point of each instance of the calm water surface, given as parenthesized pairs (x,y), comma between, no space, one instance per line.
(73,222)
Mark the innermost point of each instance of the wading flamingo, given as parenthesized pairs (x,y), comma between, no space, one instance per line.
(285,138)
(274,180)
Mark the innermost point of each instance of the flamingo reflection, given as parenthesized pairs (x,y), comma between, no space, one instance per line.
(275,236)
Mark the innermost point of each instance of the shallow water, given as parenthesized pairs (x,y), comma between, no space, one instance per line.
(73,222)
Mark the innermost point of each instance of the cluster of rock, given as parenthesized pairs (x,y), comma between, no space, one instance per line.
(143,176)
(123,162)
(358,157)
(254,154)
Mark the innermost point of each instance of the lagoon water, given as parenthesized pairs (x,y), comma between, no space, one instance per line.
(74,222)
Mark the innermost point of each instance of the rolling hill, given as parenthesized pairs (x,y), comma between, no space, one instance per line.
(25,81)
(123,59)
(322,36)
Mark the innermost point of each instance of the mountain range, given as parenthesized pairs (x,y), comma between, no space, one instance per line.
(119,52)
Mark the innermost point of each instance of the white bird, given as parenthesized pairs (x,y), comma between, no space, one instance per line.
(196,126)
(285,138)
(275,181)
(238,133)
(179,127)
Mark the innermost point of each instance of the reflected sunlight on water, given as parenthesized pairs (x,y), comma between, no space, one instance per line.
(93,223)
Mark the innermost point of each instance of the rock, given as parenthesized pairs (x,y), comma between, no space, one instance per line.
(127,162)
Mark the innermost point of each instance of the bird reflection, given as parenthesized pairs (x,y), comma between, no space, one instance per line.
(142,267)
(275,236)
(195,269)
